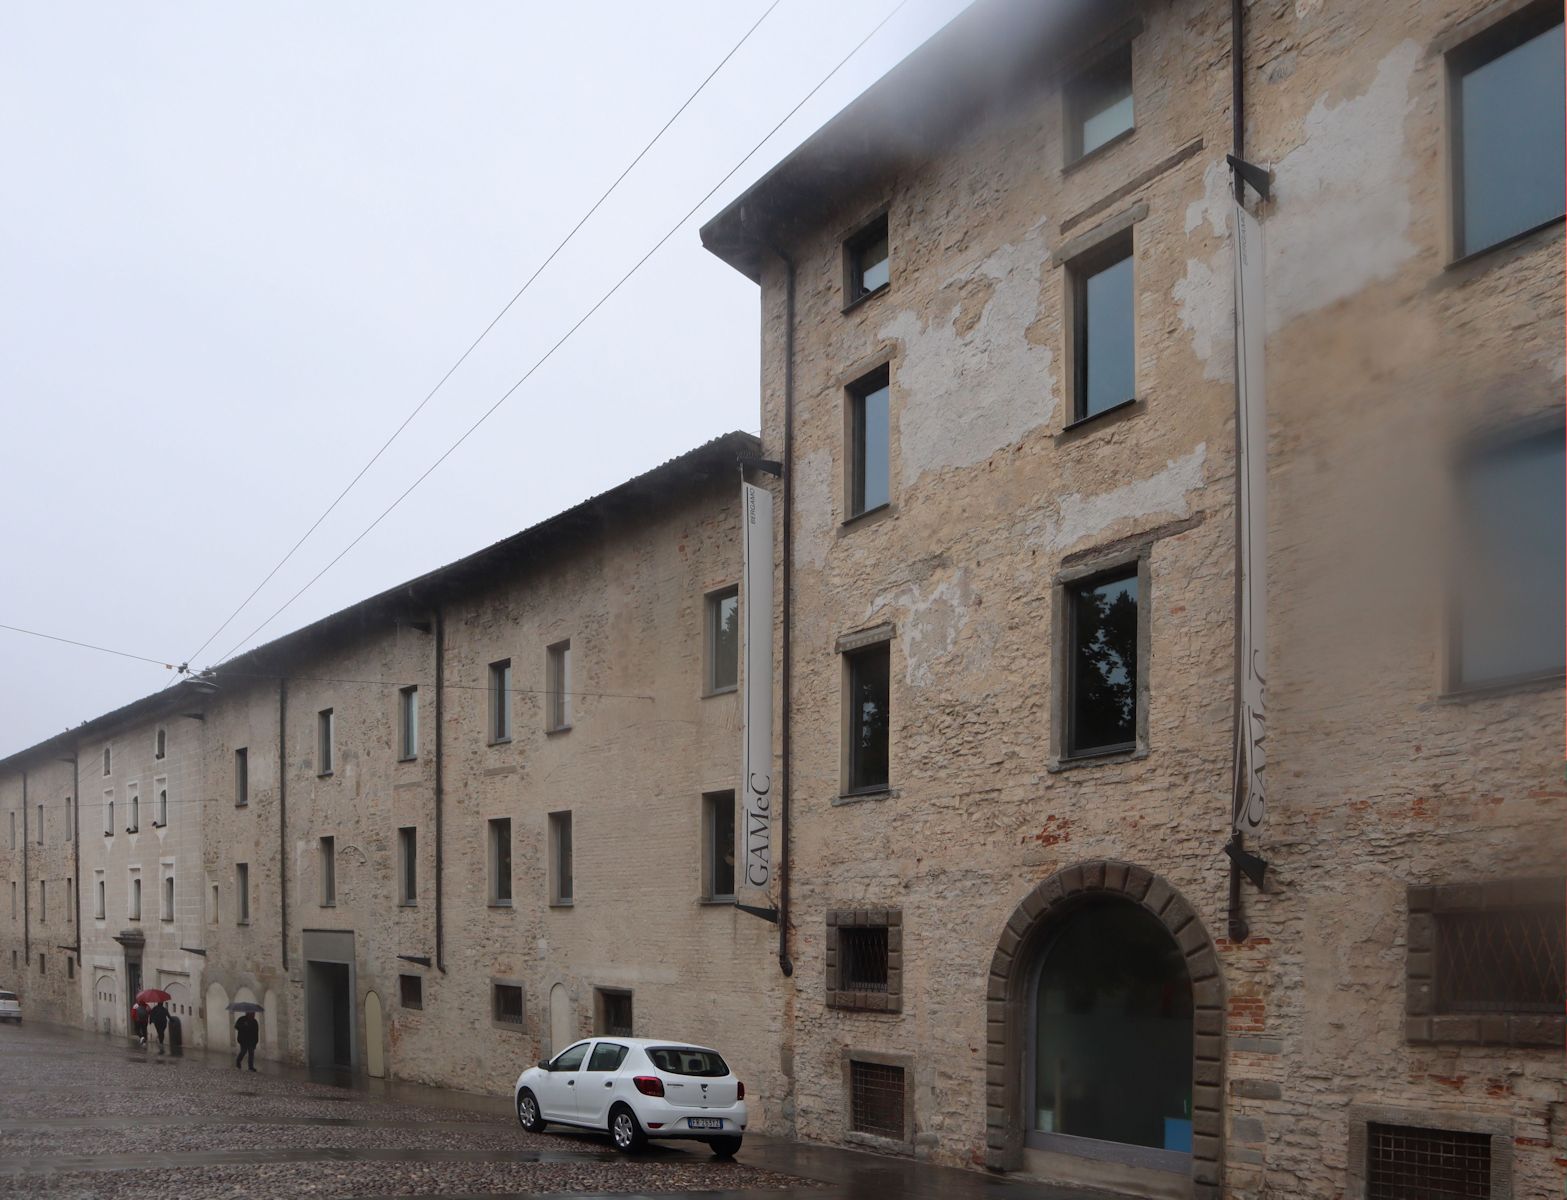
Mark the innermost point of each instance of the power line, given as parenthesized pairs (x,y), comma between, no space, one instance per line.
(506,395)
(90,646)
(462,358)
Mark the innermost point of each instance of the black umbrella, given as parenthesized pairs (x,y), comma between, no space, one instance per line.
(245,1006)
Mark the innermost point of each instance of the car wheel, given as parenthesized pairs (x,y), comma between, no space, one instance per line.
(626,1130)
(725,1147)
(528,1112)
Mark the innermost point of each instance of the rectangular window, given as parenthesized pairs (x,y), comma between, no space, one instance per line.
(500,861)
(160,810)
(43,900)
(718,839)
(241,777)
(500,701)
(133,824)
(723,640)
(1103,329)
(106,760)
(1510,595)
(70,916)
(108,814)
(328,859)
(867,262)
(408,865)
(865,959)
(507,1001)
(100,899)
(70,819)
(11,836)
(41,963)
(214,913)
(40,825)
(408,723)
(167,912)
(1508,129)
(1099,104)
(410,989)
(560,858)
(869,444)
(869,672)
(70,968)
(242,893)
(1102,634)
(324,742)
(13,899)
(862,959)
(558,671)
(1408,1163)
(135,903)
(876,1099)
(612,1012)
(159,744)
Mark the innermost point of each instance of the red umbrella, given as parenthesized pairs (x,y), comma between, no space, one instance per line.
(153,996)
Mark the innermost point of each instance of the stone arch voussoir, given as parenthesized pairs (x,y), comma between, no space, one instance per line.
(1007,991)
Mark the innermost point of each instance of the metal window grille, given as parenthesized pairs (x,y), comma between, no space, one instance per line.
(508,1003)
(412,989)
(876,1100)
(1406,1163)
(862,958)
(1502,960)
(617,1013)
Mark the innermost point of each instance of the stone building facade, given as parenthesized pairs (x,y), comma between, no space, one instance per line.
(993,897)
(386,877)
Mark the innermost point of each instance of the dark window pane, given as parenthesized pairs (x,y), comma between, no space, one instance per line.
(570,1060)
(1113,1031)
(870,450)
(876,1099)
(862,958)
(1103,102)
(1501,960)
(723,808)
(872,263)
(1512,129)
(508,1003)
(1511,609)
(1107,343)
(1103,710)
(726,641)
(868,719)
(704,1064)
(607,1057)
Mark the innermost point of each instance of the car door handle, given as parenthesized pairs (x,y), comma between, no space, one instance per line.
(571,1083)
(609,1083)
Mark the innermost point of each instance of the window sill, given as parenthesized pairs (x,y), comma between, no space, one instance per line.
(242,924)
(1546,681)
(242,804)
(867,297)
(716,901)
(723,691)
(1124,409)
(328,904)
(869,517)
(871,1002)
(108,833)
(557,729)
(862,794)
(408,904)
(505,741)
(323,774)
(872,1141)
(408,758)
(160,824)
(1487,1029)
(167,920)
(510,1026)
(501,904)
(1098,759)
(1475,256)
(563,903)
(1098,152)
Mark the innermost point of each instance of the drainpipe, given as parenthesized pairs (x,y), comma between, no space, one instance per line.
(27,943)
(76,846)
(440,775)
(282,813)
(786,762)
(1237,918)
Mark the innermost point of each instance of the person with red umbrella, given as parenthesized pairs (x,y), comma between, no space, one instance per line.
(158,1015)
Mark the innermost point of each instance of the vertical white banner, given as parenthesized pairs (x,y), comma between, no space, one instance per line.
(755,835)
(1250,795)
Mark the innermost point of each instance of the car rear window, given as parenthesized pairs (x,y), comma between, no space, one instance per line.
(676,1061)
(7,995)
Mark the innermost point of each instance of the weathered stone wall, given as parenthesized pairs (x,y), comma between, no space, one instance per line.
(52,992)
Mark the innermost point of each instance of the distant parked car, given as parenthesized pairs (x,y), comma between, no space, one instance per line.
(635,1089)
(10,1007)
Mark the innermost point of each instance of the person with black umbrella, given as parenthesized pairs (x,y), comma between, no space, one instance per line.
(248,1031)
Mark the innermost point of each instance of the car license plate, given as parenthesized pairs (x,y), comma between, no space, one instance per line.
(705,1123)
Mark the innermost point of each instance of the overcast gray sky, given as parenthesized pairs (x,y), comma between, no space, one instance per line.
(239,242)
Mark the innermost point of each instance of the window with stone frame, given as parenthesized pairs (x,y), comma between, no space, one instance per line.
(410,990)
(865,959)
(1486,963)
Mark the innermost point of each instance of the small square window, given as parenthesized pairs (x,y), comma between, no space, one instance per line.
(500,861)
(867,261)
(718,841)
(241,777)
(1510,596)
(1099,104)
(1103,329)
(507,999)
(408,723)
(1508,129)
(868,672)
(557,710)
(408,865)
(324,742)
(865,959)
(327,855)
(1102,640)
(410,990)
(723,640)
(500,701)
(869,443)
(560,858)
(612,1012)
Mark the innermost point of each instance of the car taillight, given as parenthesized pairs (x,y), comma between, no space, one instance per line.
(649,1085)
(740,1094)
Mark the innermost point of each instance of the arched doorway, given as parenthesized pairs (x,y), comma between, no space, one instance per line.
(1105,1030)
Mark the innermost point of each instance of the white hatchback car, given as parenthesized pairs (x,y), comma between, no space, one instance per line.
(636,1088)
(10,1007)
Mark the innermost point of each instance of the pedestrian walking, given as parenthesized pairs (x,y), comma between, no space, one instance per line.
(139,1022)
(160,1021)
(248,1030)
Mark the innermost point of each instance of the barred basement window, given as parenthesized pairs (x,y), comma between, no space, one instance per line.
(1407,1163)
(876,1099)
(862,959)
(411,988)
(508,1003)
(865,959)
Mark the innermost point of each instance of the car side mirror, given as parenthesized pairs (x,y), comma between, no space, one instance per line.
(544,1064)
